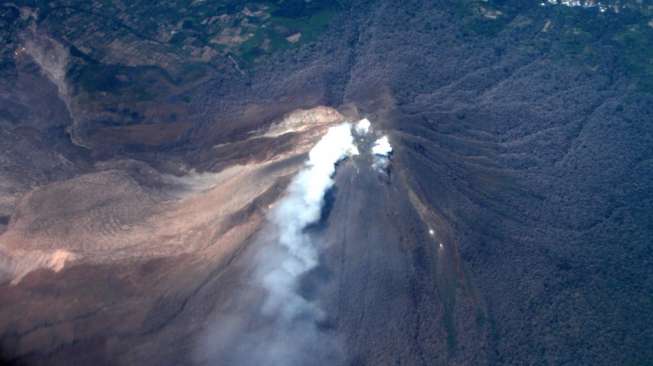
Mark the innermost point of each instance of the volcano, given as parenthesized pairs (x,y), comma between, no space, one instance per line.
(455,182)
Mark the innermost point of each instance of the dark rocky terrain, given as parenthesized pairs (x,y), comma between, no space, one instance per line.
(142,146)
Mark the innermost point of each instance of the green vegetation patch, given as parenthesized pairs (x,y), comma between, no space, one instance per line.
(289,23)
(637,45)
(585,31)
(482,17)
(577,32)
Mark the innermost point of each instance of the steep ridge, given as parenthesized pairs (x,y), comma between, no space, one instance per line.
(531,161)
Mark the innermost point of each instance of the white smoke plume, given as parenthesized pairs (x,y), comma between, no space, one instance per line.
(363,126)
(382,151)
(382,147)
(288,332)
(300,208)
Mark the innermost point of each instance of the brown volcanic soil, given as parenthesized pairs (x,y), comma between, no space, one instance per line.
(525,147)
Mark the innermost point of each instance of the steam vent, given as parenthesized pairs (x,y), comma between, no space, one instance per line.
(326,183)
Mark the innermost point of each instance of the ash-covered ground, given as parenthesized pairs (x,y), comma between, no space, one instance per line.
(146,150)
